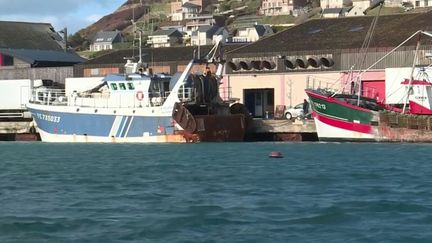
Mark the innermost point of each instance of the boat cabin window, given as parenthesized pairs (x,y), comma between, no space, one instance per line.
(131,86)
(122,86)
(114,86)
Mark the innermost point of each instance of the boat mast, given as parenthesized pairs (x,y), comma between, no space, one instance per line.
(366,43)
(412,74)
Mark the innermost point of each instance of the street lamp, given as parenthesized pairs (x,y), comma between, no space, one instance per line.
(65,36)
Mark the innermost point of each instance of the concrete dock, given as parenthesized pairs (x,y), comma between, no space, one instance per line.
(19,130)
(281,130)
(259,130)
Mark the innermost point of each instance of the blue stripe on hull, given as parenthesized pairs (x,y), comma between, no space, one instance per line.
(99,125)
(125,128)
(121,127)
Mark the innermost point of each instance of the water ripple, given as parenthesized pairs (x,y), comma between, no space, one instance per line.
(215,193)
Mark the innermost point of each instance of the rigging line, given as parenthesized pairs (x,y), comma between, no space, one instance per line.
(390,52)
(366,49)
(412,73)
(371,34)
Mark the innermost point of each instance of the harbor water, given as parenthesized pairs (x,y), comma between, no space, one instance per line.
(215,192)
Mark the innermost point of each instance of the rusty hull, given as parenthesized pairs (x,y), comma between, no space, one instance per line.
(211,127)
(221,128)
(396,127)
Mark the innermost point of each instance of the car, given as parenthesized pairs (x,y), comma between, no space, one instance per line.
(294,112)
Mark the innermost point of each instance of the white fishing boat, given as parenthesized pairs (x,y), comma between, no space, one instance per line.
(139,107)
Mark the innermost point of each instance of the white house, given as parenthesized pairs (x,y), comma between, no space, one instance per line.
(207,35)
(276,7)
(359,6)
(332,4)
(254,33)
(104,40)
(165,38)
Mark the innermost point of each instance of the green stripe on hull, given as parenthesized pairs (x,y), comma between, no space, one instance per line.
(338,111)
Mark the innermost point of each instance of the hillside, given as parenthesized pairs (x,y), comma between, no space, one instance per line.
(121,19)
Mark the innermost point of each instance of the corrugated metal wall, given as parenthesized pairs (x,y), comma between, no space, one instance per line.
(400,58)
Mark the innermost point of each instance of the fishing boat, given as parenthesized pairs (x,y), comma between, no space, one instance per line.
(348,115)
(140,107)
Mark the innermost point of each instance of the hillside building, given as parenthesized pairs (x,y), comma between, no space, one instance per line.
(252,34)
(185,9)
(165,38)
(207,35)
(105,40)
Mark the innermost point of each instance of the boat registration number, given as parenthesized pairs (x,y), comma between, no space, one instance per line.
(320,106)
(49,118)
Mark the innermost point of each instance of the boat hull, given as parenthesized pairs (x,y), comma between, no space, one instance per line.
(336,120)
(330,129)
(224,127)
(102,126)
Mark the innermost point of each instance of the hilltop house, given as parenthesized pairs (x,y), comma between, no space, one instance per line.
(359,6)
(184,9)
(335,12)
(104,40)
(418,3)
(165,38)
(276,7)
(332,4)
(207,35)
(252,34)
(193,23)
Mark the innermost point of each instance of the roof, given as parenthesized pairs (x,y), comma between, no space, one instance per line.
(210,30)
(39,57)
(346,10)
(22,35)
(263,29)
(106,36)
(190,5)
(341,33)
(168,32)
(332,10)
(164,54)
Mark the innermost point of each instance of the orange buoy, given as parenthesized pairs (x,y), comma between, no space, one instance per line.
(275,154)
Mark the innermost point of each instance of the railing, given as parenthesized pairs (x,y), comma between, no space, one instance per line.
(225,93)
(58,97)
(329,87)
(49,97)
(316,84)
(185,94)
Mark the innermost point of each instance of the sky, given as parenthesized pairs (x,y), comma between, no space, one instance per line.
(73,14)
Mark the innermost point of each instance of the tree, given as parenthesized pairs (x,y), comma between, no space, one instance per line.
(78,43)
